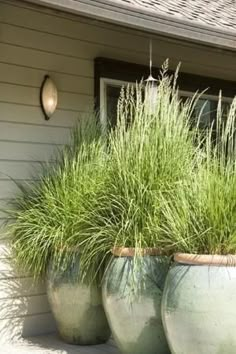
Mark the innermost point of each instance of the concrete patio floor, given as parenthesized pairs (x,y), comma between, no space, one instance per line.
(52,344)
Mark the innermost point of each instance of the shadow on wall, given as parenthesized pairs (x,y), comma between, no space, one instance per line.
(24,312)
(24,309)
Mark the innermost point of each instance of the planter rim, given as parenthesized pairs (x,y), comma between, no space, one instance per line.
(205,259)
(132,251)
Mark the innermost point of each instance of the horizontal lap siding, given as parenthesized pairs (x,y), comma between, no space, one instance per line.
(21,132)
(83,40)
(27,140)
(33,42)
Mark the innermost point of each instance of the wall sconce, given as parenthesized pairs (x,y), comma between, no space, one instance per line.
(48,97)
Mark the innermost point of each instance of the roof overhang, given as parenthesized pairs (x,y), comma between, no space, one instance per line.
(130,16)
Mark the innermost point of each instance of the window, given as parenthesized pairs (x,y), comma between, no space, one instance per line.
(207,106)
(110,91)
(111,75)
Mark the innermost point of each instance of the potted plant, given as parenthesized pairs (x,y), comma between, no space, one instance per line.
(149,153)
(198,305)
(48,215)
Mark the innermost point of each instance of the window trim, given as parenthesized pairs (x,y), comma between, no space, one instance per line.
(131,72)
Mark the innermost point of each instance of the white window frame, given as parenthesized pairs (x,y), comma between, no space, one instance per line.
(104,82)
(206,96)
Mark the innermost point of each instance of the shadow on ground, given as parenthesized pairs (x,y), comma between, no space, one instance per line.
(53,344)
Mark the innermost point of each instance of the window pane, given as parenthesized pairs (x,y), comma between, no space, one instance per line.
(207,109)
(225,109)
(113,94)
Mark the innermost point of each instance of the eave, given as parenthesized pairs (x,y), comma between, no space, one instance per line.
(147,21)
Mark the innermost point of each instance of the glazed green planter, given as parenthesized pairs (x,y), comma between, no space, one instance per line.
(77,308)
(133,304)
(199,305)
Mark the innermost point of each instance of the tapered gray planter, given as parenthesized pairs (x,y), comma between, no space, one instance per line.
(132,301)
(77,307)
(199,305)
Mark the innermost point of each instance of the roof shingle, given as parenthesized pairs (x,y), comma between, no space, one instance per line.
(219,14)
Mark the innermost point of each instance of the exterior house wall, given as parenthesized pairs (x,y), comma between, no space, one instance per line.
(33,42)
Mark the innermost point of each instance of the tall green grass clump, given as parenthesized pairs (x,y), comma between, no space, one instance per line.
(151,152)
(200,216)
(50,214)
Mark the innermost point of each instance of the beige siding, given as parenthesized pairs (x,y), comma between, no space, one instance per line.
(34,42)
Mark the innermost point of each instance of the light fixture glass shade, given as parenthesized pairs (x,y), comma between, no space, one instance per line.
(151,94)
(48,97)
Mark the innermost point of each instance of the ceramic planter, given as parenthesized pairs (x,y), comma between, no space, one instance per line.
(199,305)
(132,291)
(77,307)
